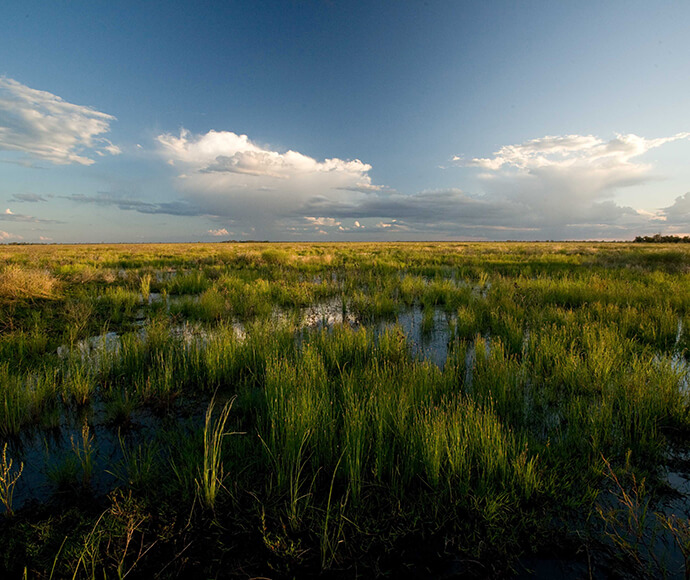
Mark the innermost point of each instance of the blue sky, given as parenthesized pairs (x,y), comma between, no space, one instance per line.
(333,120)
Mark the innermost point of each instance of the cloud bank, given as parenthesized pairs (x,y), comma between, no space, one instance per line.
(43,126)
(573,151)
(27,198)
(553,187)
(676,217)
(178,208)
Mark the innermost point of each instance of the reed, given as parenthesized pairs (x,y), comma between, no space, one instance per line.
(356,436)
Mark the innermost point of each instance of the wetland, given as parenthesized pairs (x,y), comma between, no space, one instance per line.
(418,410)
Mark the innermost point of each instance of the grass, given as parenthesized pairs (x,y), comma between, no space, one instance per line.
(353,446)
(139,466)
(212,474)
(19,283)
(84,452)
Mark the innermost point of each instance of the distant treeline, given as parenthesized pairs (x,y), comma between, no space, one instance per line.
(659,239)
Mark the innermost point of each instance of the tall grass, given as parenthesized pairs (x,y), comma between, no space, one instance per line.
(211,473)
(193,282)
(298,418)
(25,398)
(145,286)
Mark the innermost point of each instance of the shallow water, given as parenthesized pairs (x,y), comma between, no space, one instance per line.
(44,452)
(429,344)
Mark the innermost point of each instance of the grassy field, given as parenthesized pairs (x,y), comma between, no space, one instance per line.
(335,410)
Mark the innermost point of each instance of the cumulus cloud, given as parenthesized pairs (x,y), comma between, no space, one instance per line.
(219,232)
(564,178)
(43,126)
(551,187)
(227,174)
(6,236)
(570,181)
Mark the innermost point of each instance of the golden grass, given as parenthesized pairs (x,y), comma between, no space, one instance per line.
(18,283)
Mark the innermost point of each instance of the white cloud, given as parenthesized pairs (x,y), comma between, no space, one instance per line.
(573,151)
(228,175)
(43,126)
(323,221)
(9,236)
(569,180)
(218,232)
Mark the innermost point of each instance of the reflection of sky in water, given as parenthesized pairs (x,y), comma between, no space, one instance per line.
(42,451)
(431,345)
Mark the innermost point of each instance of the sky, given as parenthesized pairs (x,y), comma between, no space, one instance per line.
(330,120)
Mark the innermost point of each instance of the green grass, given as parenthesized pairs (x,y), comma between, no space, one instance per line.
(564,369)
(212,473)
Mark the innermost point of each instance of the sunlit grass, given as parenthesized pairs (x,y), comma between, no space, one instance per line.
(21,283)
(212,473)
